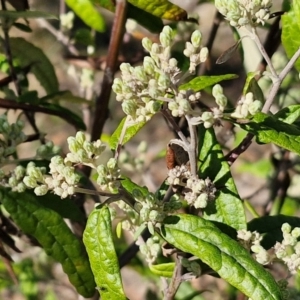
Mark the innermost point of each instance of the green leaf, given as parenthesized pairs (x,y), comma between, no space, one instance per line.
(290,31)
(9,14)
(30,97)
(66,207)
(29,55)
(76,120)
(224,255)
(251,86)
(99,244)
(164,270)
(202,82)
(129,186)
(270,227)
(85,10)
(289,114)
(22,27)
(268,129)
(54,235)
(227,207)
(152,23)
(130,132)
(161,8)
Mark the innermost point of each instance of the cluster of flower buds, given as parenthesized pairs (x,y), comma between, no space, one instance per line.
(210,118)
(194,52)
(12,135)
(246,107)
(197,191)
(150,249)
(142,89)
(83,151)
(200,191)
(251,241)
(63,178)
(244,12)
(47,150)
(289,249)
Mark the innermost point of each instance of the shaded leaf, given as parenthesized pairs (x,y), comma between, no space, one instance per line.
(54,235)
(270,226)
(202,82)
(268,129)
(251,86)
(76,120)
(99,244)
(10,14)
(28,54)
(224,255)
(66,207)
(227,207)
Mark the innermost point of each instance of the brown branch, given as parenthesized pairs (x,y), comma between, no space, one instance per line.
(102,101)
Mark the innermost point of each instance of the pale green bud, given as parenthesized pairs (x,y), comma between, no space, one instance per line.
(149,65)
(129,107)
(112,163)
(167,30)
(221,100)
(164,39)
(19,172)
(147,44)
(286,228)
(164,81)
(126,68)
(207,116)
(173,62)
(30,182)
(249,98)
(196,38)
(255,107)
(117,86)
(12,181)
(80,137)
(217,90)
(203,54)
(155,49)
(153,107)
(296,232)
(74,146)
(201,201)
(20,188)
(41,190)
(139,73)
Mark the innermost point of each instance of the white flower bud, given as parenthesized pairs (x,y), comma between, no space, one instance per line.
(196,38)
(147,44)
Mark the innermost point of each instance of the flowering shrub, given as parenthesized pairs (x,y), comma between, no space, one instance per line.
(196,213)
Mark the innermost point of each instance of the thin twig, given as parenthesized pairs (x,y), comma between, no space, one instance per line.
(175,281)
(59,35)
